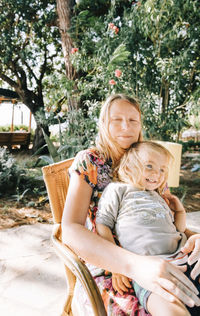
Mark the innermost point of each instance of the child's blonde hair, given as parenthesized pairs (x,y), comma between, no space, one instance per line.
(130,169)
(104,143)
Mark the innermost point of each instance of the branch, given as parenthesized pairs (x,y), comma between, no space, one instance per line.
(44,65)
(31,71)
(11,82)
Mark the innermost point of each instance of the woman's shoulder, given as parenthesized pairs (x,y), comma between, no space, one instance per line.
(91,155)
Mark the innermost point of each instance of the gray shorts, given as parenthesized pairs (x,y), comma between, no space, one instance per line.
(141,294)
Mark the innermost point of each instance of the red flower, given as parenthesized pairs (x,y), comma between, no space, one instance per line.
(115,29)
(112,82)
(74,50)
(118,73)
(111,25)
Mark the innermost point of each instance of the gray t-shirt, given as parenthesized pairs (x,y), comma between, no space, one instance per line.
(141,220)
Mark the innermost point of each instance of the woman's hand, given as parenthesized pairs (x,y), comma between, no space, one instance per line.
(120,283)
(193,246)
(166,280)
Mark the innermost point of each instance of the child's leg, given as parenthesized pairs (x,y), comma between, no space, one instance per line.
(157,306)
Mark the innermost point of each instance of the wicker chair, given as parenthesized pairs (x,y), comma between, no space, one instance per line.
(57,180)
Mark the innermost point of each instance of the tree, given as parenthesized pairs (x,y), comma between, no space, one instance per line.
(154,45)
(64,10)
(29,48)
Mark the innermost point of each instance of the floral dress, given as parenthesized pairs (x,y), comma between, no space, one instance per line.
(92,167)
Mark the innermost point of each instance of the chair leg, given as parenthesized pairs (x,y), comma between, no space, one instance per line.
(66,314)
(71,281)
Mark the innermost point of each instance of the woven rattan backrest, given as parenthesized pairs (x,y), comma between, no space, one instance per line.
(56,179)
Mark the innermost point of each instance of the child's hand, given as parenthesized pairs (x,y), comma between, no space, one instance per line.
(173,202)
(120,283)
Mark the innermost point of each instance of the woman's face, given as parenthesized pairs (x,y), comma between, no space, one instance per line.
(124,123)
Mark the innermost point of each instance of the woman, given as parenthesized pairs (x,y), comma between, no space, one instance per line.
(119,127)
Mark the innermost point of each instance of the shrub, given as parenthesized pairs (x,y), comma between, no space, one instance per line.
(16,180)
(10,173)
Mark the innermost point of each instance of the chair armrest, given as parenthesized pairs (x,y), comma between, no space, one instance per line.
(79,269)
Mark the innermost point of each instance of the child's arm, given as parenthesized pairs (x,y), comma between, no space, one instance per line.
(179,212)
(120,282)
(105,232)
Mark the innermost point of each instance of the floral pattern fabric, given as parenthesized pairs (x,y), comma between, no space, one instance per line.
(97,172)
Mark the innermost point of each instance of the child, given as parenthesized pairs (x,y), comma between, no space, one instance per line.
(142,221)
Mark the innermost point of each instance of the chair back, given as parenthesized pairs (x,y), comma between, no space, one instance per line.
(56,179)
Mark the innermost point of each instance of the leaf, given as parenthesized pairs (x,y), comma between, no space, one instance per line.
(47,159)
(52,149)
(119,55)
(39,150)
(63,148)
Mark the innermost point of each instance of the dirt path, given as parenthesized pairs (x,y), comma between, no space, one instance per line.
(15,214)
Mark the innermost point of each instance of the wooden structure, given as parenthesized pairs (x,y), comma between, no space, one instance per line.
(13,138)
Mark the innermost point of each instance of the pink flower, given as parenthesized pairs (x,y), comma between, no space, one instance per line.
(115,29)
(111,25)
(74,50)
(118,73)
(112,82)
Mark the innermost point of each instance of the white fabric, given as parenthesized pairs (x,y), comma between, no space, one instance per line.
(141,220)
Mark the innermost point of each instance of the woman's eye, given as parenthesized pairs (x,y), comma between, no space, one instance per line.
(132,120)
(116,119)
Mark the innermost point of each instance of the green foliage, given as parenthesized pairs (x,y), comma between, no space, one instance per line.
(81,127)
(30,50)
(79,133)
(190,146)
(155,45)
(9,172)
(16,179)
(180,192)
(6,128)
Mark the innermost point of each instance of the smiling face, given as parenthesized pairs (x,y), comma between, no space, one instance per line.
(124,123)
(155,168)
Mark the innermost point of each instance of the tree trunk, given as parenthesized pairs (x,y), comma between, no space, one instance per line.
(39,141)
(165,95)
(64,9)
(35,103)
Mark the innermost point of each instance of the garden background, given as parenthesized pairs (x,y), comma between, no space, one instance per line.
(63,58)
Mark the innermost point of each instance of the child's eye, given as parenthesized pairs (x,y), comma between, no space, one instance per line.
(149,166)
(162,170)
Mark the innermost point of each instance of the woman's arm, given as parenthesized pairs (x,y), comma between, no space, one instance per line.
(120,282)
(152,273)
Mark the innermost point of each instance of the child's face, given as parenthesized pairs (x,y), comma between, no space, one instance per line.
(155,168)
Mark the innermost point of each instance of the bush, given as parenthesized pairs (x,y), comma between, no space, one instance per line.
(10,173)
(190,145)
(15,180)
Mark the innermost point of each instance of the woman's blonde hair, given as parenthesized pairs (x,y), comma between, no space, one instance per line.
(104,143)
(130,169)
